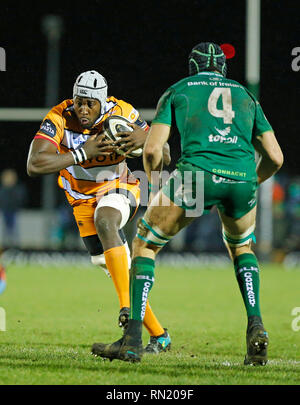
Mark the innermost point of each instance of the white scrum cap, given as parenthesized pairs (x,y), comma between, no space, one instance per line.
(92,85)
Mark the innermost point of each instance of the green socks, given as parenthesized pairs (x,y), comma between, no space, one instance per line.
(141,282)
(247,274)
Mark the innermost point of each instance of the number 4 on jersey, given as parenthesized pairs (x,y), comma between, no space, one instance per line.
(227,113)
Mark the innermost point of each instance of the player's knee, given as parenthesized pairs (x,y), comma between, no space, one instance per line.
(239,244)
(148,237)
(112,209)
(237,251)
(107,221)
(106,226)
(137,245)
(142,248)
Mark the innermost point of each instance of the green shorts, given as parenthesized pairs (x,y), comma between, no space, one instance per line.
(194,189)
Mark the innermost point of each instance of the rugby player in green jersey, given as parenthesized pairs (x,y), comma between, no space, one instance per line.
(221,124)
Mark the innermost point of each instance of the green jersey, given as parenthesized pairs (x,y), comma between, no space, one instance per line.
(217,119)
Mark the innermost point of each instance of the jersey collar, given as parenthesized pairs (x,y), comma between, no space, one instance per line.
(210,73)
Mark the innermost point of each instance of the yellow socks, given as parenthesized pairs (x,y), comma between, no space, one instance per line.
(151,323)
(117,264)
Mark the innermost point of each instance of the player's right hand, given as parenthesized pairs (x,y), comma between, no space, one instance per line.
(98,145)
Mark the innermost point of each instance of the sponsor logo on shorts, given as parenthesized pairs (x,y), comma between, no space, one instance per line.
(219,179)
(228,172)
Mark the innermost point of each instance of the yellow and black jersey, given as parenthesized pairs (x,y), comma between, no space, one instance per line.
(84,181)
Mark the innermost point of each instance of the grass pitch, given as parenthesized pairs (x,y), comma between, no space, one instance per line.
(53,315)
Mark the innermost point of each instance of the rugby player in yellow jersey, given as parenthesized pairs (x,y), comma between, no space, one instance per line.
(103,193)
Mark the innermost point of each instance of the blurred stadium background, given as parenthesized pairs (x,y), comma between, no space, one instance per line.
(141,50)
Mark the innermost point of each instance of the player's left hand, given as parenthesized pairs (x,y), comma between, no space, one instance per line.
(132,140)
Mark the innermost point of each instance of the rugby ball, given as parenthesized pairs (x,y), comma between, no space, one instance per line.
(114,124)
